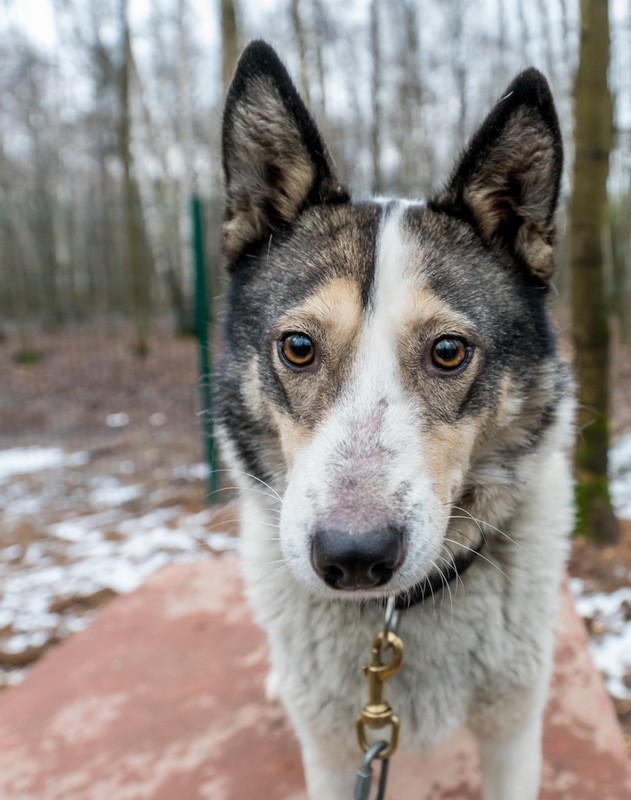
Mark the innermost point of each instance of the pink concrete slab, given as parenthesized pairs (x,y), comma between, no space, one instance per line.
(162,697)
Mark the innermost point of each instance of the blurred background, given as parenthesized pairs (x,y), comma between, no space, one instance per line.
(110,199)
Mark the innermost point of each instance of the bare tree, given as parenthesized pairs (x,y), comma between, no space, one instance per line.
(593,138)
(229,41)
(322,32)
(376,81)
(137,242)
(415,173)
(456,10)
(301,42)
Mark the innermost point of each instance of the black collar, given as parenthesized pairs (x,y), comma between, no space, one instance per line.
(436,581)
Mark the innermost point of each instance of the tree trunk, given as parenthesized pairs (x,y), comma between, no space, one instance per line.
(137,243)
(410,122)
(593,138)
(376,128)
(461,66)
(320,37)
(229,41)
(46,240)
(301,41)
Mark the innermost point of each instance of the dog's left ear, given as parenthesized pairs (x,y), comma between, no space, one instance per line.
(507,182)
(275,162)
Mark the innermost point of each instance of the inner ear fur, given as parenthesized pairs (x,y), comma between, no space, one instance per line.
(275,162)
(507,182)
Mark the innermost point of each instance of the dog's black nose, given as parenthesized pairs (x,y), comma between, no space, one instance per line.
(357,560)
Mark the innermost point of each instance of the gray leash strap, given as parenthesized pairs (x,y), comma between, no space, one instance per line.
(363,781)
(393,616)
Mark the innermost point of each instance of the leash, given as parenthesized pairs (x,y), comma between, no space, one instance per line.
(377,714)
(364,774)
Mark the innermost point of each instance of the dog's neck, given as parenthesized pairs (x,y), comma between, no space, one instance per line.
(438,580)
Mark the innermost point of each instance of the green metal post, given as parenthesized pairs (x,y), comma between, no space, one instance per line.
(203,324)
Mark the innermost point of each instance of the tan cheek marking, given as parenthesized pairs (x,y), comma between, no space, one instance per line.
(448,450)
(252,391)
(510,402)
(293,436)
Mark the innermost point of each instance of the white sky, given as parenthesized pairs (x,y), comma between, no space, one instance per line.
(36,17)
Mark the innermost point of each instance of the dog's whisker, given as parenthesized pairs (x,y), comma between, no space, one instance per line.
(235,520)
(223,522)
(240,489)
(477,523)
(277,565)
(466,535)
(470,539)
(451,563)
(488,525)
(480,555)
(274,494)
(448,587)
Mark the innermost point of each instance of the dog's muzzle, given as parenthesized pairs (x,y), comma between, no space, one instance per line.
(351,561)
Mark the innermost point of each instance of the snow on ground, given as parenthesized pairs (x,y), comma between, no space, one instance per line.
(24,460)
(609,622)
(70,538)
(620,467)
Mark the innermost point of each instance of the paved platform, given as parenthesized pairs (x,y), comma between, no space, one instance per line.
(162,698)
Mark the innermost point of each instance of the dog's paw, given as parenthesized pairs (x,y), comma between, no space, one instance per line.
(272,687)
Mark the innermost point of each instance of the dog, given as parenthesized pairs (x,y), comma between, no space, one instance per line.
(393,409)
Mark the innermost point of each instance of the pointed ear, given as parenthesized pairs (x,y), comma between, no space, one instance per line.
(275,162)
(507,182)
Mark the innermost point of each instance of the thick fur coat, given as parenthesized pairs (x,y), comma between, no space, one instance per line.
(390,398)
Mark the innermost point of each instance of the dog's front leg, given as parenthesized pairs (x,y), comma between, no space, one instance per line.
(511,764)
(327,780)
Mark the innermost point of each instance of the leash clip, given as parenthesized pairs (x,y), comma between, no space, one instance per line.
(377,713)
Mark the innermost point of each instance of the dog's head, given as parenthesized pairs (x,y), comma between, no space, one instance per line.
(379,357)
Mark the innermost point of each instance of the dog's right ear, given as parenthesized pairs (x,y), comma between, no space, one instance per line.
(275,162)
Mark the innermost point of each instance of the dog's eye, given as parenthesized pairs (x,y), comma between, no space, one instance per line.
(297,350)
(449,353)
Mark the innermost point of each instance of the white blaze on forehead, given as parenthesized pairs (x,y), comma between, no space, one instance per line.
(377,364)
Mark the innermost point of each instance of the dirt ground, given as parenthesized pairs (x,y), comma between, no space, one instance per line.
(133,429)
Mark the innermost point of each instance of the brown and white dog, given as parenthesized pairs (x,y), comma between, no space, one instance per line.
(392,407)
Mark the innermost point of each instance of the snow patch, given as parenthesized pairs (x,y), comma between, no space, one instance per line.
(112,492)
(191,472)
(119,420)
(26,460)
(620,476)
(611,649)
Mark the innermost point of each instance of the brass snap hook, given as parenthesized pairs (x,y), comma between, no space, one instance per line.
(377,713)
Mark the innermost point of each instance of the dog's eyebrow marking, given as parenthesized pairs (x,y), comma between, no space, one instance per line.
(336,303)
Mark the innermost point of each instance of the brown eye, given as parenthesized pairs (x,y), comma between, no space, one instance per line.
(449,353)
(297,350)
